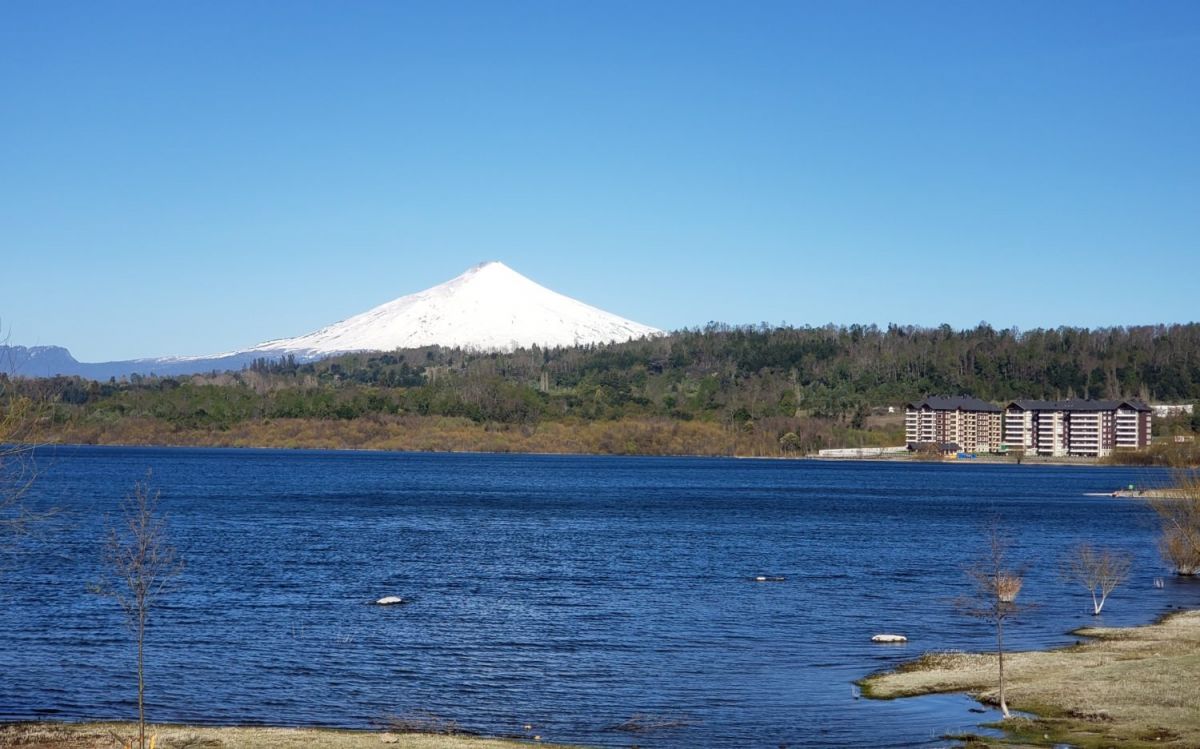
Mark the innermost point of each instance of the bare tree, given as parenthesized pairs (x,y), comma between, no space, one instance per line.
(1098,570)
(15,476)
(1178,510)
(140,563)
(994,593)
(17,469)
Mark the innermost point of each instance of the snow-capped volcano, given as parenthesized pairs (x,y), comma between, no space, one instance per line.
(491,307)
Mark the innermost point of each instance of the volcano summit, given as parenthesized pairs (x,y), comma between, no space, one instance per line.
(490,307)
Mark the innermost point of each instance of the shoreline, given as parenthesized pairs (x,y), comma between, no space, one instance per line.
(1084,463)
(106,734)
(1128,686)
(1122,686)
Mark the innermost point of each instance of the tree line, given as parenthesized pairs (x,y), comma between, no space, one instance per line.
(806,381)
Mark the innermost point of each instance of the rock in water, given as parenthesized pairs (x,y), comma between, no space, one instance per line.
(889,638)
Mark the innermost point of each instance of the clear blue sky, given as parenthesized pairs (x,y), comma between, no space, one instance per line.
(192,177)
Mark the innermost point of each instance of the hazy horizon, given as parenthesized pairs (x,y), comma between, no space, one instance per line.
(187,180)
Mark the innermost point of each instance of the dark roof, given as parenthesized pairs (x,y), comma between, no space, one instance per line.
(954,403)
(946,447)
(1077,404)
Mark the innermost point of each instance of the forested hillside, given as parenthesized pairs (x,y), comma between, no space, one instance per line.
(737,389)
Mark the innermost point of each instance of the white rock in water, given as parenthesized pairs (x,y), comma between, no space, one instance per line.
(889,638)
(390,600)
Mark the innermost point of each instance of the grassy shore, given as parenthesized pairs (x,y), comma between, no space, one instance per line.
(1129,687)
(115,735)
(416,433)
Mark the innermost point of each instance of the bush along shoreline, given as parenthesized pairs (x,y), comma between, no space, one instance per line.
(1128,686)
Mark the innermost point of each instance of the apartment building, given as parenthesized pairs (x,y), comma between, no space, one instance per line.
(1083,428)
(973,424)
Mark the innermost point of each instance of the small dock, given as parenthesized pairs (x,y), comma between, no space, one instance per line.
(1150,493)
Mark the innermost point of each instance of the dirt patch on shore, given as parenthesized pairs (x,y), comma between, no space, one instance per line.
(1120,687)
(116,735)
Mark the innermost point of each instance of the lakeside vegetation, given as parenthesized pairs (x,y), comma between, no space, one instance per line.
(1130,687)
(721,390)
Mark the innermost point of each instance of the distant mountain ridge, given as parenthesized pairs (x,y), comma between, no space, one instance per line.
(48,361)
(490,307)
(36,361)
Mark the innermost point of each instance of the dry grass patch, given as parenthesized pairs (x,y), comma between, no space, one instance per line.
(114,736)
(1127,687)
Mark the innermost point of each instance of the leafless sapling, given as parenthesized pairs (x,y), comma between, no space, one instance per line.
(19,417)
(993,596)
(141,563)
(1098,570)
(16,464)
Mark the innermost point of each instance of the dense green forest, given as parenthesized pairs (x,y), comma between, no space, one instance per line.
(825,386)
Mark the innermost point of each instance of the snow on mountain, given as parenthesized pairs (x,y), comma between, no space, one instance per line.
(491,307)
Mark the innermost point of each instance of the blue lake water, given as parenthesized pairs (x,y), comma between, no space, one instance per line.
(569,594)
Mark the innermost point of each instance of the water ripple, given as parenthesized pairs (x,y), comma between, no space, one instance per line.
(571,593)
